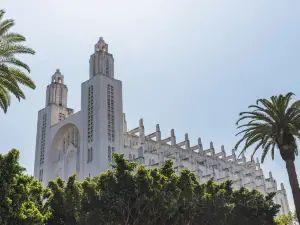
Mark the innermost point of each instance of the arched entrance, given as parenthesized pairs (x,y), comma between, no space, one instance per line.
(65,151)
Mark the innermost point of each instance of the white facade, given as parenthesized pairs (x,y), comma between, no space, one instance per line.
(83,142)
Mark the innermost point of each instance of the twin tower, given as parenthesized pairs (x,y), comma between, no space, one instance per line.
(81,142)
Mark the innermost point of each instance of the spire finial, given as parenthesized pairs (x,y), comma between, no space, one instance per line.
(186,137)
(270,174)
(141,122)
(199,141)
(172,133)
(222,148)
(157,128)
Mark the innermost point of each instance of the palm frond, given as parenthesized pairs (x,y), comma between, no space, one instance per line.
(13,38)
(270,125)
(2,12)
(6,25)
(15,62)
(9,50)
(11,77)
(21,77)
(4,99)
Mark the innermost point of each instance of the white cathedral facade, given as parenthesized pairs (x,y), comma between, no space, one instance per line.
(83,142)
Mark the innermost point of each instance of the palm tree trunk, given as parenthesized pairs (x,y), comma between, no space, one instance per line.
(290,166)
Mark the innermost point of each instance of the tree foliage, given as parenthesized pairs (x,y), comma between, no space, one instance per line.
(21,196)
(11,76)
(129,194)
(290,219)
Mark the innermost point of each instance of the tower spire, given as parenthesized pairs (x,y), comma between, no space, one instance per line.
(57,91)
(101,62)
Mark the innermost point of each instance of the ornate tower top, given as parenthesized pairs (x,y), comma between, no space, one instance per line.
(101,45)
(57,91)
(57,77)
(101,62)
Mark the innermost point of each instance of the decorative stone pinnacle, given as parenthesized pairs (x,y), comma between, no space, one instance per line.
(186,137)
(199,141)
(141,122)
(172,133)
(157,128)
(222,148)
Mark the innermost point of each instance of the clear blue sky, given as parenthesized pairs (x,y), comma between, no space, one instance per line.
(188,65)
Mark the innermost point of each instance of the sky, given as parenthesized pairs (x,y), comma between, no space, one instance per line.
(187,65)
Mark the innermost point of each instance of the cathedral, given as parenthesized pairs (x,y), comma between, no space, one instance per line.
(69,142)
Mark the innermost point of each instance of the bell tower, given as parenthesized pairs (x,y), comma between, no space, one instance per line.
(55,111)
(102,111)
(57,91)
(101,62)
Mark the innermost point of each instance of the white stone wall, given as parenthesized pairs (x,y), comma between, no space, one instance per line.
(153,151)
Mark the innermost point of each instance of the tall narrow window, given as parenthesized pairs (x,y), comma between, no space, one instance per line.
(68,138)
(110,113)
(64,144)
(41,175)
(43,136)
(107,67)
(90,155)
(60,94)
(109,154)
(90,113)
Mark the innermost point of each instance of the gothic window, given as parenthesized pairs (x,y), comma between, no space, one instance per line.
(130,156)
(149,162)
(90,113)
(43,136)
(153,162)
(90,155)
(130,143)
(133,157)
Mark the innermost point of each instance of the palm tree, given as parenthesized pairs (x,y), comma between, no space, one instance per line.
(10,74)
(274,125)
